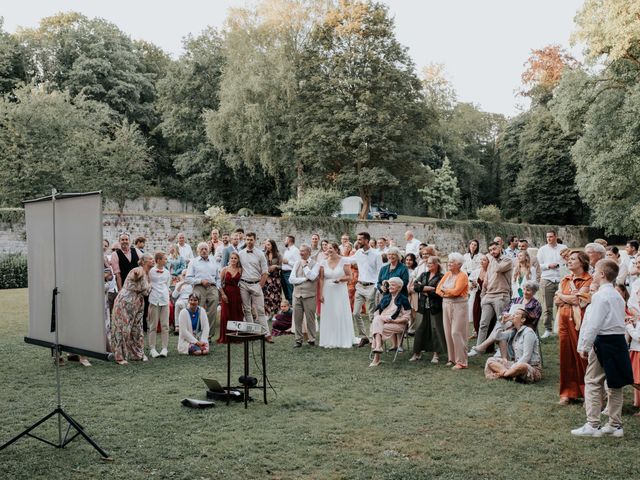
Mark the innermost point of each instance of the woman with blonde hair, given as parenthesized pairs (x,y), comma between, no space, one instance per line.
(454,290)
(523,272)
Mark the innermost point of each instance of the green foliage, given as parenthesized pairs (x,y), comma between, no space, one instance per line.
(217,217)
(12,61)
(489,213)
(334,226)
(315,202)
(94,58)
(13,271)
(11,215)
(442,195)
(361,115)
(245,212)
(50,140)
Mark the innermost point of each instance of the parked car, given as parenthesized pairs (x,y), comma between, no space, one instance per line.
(382,213)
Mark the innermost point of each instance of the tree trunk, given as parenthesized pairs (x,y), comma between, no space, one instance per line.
(299,186)
(366,203)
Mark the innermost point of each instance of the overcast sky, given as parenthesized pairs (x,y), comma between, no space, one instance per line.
(482,43)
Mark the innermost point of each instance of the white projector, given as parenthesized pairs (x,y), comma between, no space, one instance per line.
(244,327)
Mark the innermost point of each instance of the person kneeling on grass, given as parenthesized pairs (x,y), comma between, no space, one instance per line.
(390,318)
(526,354)
(194,328)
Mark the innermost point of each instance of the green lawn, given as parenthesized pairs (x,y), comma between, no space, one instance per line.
(333,418)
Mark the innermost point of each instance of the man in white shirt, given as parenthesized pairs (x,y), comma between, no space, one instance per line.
(290,255)
(159,305)
(203,273)
(304,277)
(550,260)
(603,343)
(369,264)
(255,271)
(632,252)
(382,245)
(185,249)
(413,244)
(512,248)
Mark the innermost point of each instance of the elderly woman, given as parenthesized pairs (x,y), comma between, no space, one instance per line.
(572,299)
(430,334)
(395,268)
(527,302)
(525,365)
(390,318)
(454,289)
(194,329)
(127,336)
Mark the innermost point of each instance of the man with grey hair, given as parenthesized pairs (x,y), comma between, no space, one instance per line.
(304,278)
(496,289)
(595,252)
(203,273)
(184,248)
(413,244)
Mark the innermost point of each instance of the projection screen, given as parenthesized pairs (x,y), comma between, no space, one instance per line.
(75,267)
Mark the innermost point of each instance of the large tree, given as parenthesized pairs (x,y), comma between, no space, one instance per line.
(362,113)
(94,58)
(50,139)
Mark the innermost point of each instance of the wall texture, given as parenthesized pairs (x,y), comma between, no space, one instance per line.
(161,228)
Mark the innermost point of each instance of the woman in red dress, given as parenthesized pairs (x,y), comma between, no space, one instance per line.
(572,299)
(231,305)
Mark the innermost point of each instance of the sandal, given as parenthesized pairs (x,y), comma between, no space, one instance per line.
(377,350)
(564,401)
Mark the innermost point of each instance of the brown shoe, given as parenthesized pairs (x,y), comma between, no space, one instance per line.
(363,341)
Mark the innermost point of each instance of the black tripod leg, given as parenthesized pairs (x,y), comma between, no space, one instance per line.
(32,427)
(80,430)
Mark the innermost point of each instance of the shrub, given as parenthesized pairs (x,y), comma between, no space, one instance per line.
(13,271)
(217,217)
(245,212)
(489,213)
(316,202)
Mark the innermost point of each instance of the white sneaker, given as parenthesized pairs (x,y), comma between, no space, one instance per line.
(154,353)
(587,431)
(400,350)
(473,352)
(164,352)
(435,359)
(613,431)
(546,334)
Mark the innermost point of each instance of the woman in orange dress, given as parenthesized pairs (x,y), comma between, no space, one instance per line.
(572,299)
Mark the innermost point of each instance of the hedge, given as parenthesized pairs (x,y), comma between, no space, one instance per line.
(13,271)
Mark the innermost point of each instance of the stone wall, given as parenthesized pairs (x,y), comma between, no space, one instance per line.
(161,228)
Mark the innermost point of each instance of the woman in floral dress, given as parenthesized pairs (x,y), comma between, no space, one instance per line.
(127,336)
(272,288)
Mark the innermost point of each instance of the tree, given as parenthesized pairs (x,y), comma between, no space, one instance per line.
(256,123)
(545,183)
(508,145)
(94,58)
(610,29)
(49,139)
(544,69)
(442,195)
(12,61)
(361,112)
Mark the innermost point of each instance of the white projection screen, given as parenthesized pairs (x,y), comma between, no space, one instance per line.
(77,272)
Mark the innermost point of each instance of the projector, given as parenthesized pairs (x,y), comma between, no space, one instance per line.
(244,327)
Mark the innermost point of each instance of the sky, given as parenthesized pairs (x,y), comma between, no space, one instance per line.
(483,44)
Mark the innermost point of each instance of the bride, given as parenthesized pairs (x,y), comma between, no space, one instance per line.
(336,326)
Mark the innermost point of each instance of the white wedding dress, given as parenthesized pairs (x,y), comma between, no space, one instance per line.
(336,324)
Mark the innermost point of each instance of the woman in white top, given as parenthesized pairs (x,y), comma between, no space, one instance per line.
(159,305)
(523,271)
(336,324)
(194,329)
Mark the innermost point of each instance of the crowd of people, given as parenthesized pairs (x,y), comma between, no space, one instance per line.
(323,293)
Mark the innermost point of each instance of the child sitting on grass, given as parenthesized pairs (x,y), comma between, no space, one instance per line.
(282,321)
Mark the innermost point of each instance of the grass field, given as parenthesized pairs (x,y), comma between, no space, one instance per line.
(332,418)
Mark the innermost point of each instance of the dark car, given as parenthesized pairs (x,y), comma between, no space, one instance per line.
(382,213)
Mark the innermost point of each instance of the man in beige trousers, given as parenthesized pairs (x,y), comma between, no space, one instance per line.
(304,278)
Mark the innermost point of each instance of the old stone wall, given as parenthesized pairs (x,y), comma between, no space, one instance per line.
(161,228)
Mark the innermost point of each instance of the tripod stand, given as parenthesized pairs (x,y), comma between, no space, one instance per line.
(58,412)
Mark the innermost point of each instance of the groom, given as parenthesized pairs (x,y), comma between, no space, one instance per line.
(304,278)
